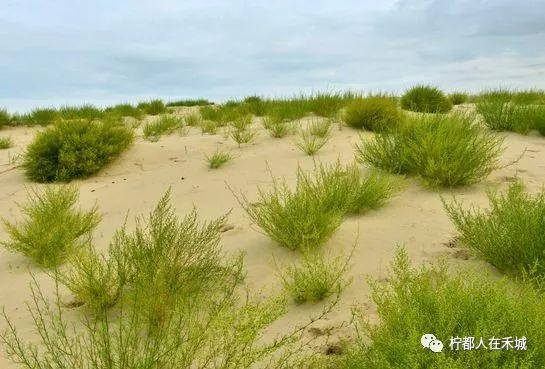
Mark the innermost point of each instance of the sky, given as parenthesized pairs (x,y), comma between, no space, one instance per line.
(58,52)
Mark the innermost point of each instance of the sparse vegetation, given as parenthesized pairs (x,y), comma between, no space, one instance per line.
(278,129)
(425,99)
(431,300)
(75,149)
(5,143)
(310,144)
(85,112)
(316,278)
(125,110)
(153,107)
(443,150)
(52,227)
(375,113)
(192,120)
(510,234)
(166,124)
(189,102)
(458,98)
(5,118)
(209,127)
(218,159)
(320,128)
(241,131)
(500,114)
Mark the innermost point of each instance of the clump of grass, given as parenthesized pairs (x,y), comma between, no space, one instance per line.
(241,131)
(256,105)
(5,118)
(278,129)
(211,113)
(153,107)
(297,219)
(458,98)
(432,300)
(52,227)
(443,150)
(166,124)
(189,102)
(321,128)
(536,115)
(75,149)
(510,234)
(500,114)
(46,116)
(309,143)
(125,110)
(209,127)
(374,113)
(192,120)
(425,99)
(5,143)
(316,278)
(84,112)
(218,159)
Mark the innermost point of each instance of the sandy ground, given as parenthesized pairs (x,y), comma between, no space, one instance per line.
(135,181)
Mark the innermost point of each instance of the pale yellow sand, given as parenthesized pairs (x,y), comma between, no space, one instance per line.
(135,181)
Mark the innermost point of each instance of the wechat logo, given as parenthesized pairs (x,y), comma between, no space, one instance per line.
(431,342)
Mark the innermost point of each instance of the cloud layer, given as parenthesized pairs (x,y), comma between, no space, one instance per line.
(110,51)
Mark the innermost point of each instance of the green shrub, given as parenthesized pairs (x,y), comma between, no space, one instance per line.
(425,99)
(510,234)
(5,143)
(166,124)
(432,301)
(192,120)
(5,118)
(316,278)
(126,110)
(372,113)
(500,115)
(310,144)
(153,107)
(83,112)
(458,98)
(536,115)
(189,102)
(74,149)
(44,116)
(298,219)
(218,159)
(321,128)
(256,105)
(211,113)
(52,227)
(445,150)
(240,129)
(325,104)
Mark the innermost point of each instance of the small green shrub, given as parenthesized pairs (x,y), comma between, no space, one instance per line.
(52,227)
(510,234)
(153,107)
(321,128)
(166,124)
(125,110)
(192,120)
(189,102)
(458,98)
(316,278)
(74,149)
(536,115)
(372,113)
(211,113)
(278,129)
(5,143)
(310,144)
(256,105)
(5,118)
(218,159)
(500,115)
(298,219)
(209,127)
(44,116)
(240,130)
(432,301)
(84,112)
(445,150)
(425,99)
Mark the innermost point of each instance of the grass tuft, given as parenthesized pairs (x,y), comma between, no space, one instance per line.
(372,113)
(458,98)
(192,120)
(278,129)
(166,124)
(425,99)
(321,128)
(241,131)
(153,107)
(5,143)
(189,102)
(310,144)
(52,228)
(218,159)
(445,150)
(5,118)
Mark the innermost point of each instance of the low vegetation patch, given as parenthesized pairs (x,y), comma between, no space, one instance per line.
(310,144)
(75,149)
(84,112)
(192,120)
(189,102)
(52,228)
(278,129)
(153,107)
(425,99)
(458,98)
(125,110)
(372,113)
(500,114)
(218,159)
(46,116)
(432,301)
(241,131)
(165,125)
(5,118)
(509,235)
(444,150)
(5,143)
(320,128)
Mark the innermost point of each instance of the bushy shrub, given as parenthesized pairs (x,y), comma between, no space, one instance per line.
(445,150)
(5,143)
(125,110)
(5,118)
(425,99)
(74,149)
(52,227)
(316,278)
(166,124)
(372,113)
(510,234)
(320,128)
(44,116)
(458,98)
(84,112)
(432,301)
(153,107)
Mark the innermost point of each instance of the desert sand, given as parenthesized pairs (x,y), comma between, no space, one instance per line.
(133,183)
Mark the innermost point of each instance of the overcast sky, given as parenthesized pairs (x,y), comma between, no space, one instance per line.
(56,52)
